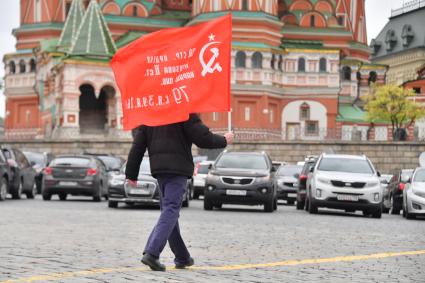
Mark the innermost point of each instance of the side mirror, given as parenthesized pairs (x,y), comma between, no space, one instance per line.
(378,173)
(311,170)
(296,175)
(273,169)
(209,167)
(32,163)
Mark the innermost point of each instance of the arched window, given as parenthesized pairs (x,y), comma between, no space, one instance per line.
(372,77)
(12,67)
(312,21)
(135,12)
(22,67)
(240,59)
(244,5)
(346,73)
(304,112)
(301,65)
(32,65)
(322,65)
(273,61)
(257,60)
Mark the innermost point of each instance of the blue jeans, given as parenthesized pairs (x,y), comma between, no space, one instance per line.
(171,191)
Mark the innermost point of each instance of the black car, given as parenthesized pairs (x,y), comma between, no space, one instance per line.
(113,164)
(393,197)
(40,161)
(75,175)
(302,180)
(241,178)
(22,178)
(5,175)
(145,192)
(286,182)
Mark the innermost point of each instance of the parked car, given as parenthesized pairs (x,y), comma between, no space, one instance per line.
(5,176)
(385,180)
(40,161)
(414,195)
(286,182)
(22,180)
(347,182)
(75,175)
(309,163)
(113,164)
(241,178)
(146,191)
(199,176)
(393,198)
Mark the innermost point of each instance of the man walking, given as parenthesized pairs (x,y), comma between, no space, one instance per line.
(171,161)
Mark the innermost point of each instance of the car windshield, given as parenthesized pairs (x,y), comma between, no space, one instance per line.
(419,176)
(71,161)
(406,174)
(290,170)
(345,165)
(37,158)
(243,161)
(111,162)
(203,168)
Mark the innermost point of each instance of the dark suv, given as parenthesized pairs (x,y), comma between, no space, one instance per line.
(241,178)
(309,163)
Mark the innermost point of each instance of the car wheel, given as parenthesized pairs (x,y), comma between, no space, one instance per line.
(300,205)
(33,192)
(98,194)
(112,204)
(207,204)
(62,196)
(404,209)
(219,205)
(393,209)
(18,192)
(3,189)
(268,205)
(312,208)
(195,194)
(377,213)
(46,196)
(409,215)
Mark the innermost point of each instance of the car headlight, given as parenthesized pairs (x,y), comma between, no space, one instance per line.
(372,184)
(324,181)
(263,179)
(116,181)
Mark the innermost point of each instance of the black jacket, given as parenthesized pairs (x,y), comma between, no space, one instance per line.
(170,147)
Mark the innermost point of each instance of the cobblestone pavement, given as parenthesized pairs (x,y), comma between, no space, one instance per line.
(83,241)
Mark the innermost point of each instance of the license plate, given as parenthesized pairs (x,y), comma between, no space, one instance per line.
(140,192)
(68,183)
(235,192)
(347,197)
(292,195)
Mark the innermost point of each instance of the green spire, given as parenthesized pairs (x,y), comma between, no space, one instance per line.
(72,24)
(93,37)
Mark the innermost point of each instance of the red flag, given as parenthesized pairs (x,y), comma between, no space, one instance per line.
(166,75)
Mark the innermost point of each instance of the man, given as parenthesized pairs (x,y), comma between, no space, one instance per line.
(171,161)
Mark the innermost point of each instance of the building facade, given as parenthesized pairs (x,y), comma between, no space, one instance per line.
(299,67)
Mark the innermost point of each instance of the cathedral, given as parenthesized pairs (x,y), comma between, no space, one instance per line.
(299,67)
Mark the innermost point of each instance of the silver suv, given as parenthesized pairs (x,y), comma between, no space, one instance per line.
(347,182)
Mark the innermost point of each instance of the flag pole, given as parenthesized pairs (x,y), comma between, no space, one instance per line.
(229,120)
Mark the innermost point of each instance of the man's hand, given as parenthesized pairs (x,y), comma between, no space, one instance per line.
(131,183)
(229,137)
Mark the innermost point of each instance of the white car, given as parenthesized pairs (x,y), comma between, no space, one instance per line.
(347,182)
(199,176)
(414,195)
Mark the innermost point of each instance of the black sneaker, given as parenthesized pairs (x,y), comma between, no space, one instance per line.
(152,262)
(189,262)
